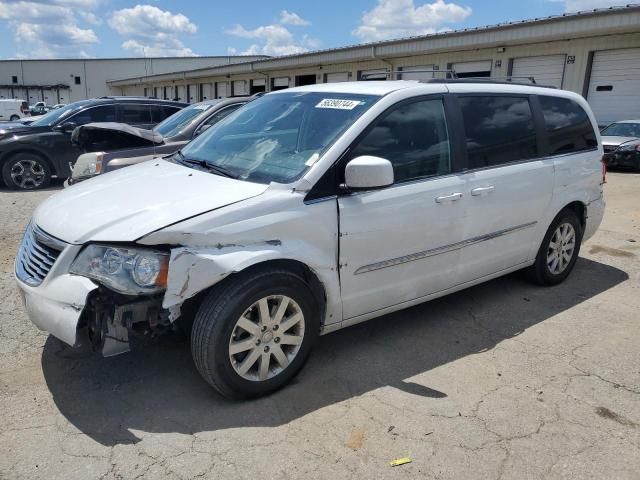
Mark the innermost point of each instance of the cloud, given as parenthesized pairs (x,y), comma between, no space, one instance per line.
(402,18)
(290,18)
(275,39)
(153,32)
(578,5)
(50,28)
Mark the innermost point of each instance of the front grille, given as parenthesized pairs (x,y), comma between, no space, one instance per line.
(37,253)
(609,148)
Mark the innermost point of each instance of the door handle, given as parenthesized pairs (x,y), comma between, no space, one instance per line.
(449,198)
(482,190)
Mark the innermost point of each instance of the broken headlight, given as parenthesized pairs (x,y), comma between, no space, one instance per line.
(131,271)
(88,165)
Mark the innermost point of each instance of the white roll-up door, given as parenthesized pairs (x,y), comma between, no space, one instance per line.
(376,74)
(337,77)
(222,90)
(259,82)
(281,82)
(180,93)
(414,73)
(240,87)
(207,91)
(480,68)
(614,85)
(545,69)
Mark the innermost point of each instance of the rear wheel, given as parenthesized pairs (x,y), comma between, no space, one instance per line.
(26,171)
(253,335)
(14,118)
(559,250)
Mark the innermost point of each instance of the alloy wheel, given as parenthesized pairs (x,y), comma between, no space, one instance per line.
(266,338)
(561,248)
(28,174)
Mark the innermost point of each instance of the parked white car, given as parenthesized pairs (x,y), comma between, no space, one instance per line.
(312,209)
(12,109)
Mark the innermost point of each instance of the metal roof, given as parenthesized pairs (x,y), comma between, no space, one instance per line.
(566,26)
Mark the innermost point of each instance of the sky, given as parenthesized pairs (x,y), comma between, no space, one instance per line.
(130,28)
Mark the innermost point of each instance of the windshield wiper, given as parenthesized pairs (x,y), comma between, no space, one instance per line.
(217,169)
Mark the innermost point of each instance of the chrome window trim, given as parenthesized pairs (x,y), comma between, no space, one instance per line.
(439,250)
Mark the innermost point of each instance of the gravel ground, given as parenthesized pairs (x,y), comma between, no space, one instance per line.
(503,380)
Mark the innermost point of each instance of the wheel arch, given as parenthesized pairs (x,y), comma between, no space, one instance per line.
(580,210)
(34,151)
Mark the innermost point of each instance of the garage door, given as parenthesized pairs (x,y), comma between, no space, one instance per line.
(481,68)
(614,85)
(240,87)
(337,77)
(546,69)
(414,73)
(207,91)
(377,74)
(222,90)
(279,83)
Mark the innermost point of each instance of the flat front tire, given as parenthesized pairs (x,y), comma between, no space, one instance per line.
(559,250)
(252,335)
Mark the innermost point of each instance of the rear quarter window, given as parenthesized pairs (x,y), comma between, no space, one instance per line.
(568,126)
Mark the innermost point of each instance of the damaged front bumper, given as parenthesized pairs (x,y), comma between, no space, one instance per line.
(57,306)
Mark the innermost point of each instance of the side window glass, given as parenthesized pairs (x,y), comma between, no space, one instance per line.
(568,126)
(220,114)
(159,112)
(413,137)
(136,114)
(499,130)
(106,113)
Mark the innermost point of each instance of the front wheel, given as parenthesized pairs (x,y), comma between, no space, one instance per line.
(559,250)
(14,118)
(252,336)
(26,171)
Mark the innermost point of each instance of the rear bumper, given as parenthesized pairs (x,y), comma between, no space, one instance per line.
(595,213)
(57,305)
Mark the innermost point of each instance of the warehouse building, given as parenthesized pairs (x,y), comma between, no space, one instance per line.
(595,53)
(66,81)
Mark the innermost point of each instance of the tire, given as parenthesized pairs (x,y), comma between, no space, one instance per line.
(216,325)
(552,266)
(26,171)
(13,118)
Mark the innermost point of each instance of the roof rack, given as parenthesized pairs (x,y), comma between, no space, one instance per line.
(390,73)
(450,76)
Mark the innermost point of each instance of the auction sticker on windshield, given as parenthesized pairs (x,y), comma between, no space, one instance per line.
(338,104)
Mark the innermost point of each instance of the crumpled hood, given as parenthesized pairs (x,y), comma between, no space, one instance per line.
(612,140)
(127,204)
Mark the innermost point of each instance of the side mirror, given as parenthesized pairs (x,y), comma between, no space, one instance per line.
(367,172)
(66,127)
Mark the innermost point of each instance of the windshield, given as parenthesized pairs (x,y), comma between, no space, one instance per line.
(622,130)
(53,116)
(172,125)
(276,138)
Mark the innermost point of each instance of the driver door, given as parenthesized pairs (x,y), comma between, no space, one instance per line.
(401,243)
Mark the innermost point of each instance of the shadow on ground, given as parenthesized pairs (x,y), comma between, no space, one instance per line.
(157,389)
(56,184)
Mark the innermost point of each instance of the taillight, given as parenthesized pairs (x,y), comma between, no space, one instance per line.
(604,171)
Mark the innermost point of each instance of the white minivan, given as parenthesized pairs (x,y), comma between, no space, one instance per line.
(312,209)
(12,109)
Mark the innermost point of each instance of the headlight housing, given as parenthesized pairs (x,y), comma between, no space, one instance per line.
(131,271)
(88,165)
(629,147)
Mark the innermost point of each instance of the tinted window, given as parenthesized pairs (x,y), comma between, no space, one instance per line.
(498,129)
(413,137)
(136,114)
(222,113)
(568,126)
(106,113)
(160,112)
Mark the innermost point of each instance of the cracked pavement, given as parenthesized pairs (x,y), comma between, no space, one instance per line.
(503,380)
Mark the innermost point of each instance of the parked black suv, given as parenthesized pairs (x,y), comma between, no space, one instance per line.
(31,154)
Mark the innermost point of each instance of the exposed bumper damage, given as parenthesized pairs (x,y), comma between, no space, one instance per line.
(57,309)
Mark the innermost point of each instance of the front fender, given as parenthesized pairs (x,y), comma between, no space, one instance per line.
(192,269)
